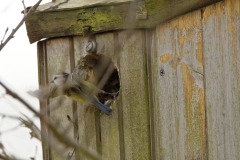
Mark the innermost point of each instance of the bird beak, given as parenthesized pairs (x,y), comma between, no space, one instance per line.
(52,81)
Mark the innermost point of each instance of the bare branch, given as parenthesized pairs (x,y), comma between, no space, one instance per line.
(4,155)
(79,147)
(71,153)
(60,136)
(35,130)
(4,35)
(32,9)
(54,6)
(27,11)
(14,95)
(24,7)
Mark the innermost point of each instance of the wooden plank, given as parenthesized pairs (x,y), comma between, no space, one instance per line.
(74,103)
(86,116)
(109,124)
(178,89)
(44,107)
(221,38)
(70,21)
(134,94)
(150,49)
(82,4)
(58,60)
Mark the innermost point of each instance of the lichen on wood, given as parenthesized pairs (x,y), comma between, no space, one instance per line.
(101,18)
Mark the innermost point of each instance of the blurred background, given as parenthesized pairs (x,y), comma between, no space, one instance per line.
(18,70)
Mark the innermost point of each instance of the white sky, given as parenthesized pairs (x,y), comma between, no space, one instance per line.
(18,69)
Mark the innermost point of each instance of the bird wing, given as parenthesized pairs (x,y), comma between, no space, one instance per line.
(85,86)
(45,92)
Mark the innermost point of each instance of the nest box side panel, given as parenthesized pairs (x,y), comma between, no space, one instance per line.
(221,48)
(177,70)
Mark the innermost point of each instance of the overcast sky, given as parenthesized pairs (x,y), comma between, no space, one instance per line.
(18,70)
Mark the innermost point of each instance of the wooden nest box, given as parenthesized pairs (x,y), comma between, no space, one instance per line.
(176,65)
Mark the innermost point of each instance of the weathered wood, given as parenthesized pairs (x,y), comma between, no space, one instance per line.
(221,48)
(80,4)
(178,89)
(188,108)
(86,117)
(150,49)
(58,60)
(44,107)
(134,94)
(109,124)
(74,103)
(70,21)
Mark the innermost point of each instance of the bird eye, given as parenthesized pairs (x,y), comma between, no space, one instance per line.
(65,74)
(55,78)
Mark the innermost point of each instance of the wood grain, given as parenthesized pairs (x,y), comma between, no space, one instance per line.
(179,95)
(109,124)
(221,38)
(44,107)
(70,21)
(58,60)
(178,89)
(86,114)
(134,94)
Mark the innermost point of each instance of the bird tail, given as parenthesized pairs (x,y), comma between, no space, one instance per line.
(101,106)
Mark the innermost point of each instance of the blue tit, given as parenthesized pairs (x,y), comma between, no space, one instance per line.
(60,78)
(80,90)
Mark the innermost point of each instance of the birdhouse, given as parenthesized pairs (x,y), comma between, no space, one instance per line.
(175,66)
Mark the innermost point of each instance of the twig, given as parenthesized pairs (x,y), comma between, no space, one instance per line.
(32,9)
(9,129)
(4,35)
(35,130)
(70,120)
(60,136)
(4,155)
(79,147)
(33,158)
(25,11)
(71,153)
(14,95)
(54,6)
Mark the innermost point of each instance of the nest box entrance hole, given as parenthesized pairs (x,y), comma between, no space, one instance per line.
(101,71)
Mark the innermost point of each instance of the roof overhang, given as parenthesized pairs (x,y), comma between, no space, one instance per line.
(74,17)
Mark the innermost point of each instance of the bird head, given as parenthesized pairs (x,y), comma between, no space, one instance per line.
(60,78)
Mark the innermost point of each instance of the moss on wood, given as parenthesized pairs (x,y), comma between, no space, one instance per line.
(68,22)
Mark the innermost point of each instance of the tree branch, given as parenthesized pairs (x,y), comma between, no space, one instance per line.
(60,136)
(14,95)
(4,35)
(32,9)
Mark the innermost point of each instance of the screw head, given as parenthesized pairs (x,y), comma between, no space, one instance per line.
(90,46)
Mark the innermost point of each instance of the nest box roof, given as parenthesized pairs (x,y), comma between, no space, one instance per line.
(75,17)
